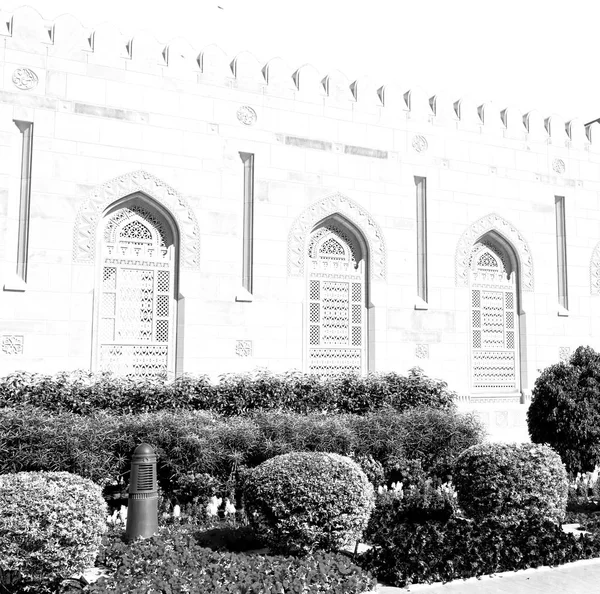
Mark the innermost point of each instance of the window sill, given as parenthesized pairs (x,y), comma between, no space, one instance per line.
(420,304)
(16,283)
(244,296)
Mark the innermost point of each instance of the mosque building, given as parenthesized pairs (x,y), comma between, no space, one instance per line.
(169,210)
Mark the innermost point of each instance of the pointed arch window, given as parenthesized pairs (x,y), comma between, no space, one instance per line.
(136,305)
(337,317)
(494,319)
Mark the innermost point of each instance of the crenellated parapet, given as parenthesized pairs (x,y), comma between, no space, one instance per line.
(66,38)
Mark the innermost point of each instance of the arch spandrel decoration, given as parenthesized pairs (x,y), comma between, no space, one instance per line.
(347,208)
(493,222)
(90,214)
(595,271)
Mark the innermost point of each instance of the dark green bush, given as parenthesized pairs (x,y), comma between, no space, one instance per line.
(304,501)
(174,562)
(434,437)
(511,480)
(565,410)
(83,392)
(284,432)
(406,553)
(372,468)
(417,503)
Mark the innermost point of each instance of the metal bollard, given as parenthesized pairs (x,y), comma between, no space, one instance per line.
(142,512)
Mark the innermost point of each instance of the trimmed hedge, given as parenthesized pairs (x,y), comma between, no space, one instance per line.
(565,410)
(186,567)
(83,392)
(304,501)
(511,480)
(51,524)
(194,444)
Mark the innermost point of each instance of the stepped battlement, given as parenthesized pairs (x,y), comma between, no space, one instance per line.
(64,40)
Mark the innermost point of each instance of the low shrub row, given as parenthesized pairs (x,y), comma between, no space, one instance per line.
(202,454)
(51,527)
(514,497)
(84,392)
(461,548)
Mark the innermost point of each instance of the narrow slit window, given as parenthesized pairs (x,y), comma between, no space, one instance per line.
(26,129)
(421,194)
(561,251)
(248,224)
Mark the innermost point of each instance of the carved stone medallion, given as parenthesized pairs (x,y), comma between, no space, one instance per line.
(558,165)
(24,79)
(246,115)
(420,144)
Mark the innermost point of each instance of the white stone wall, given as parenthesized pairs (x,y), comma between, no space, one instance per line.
(104,107)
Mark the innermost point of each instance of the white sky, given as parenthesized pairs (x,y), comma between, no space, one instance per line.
(531,53)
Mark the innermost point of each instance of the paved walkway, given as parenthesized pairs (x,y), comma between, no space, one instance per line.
(580,577)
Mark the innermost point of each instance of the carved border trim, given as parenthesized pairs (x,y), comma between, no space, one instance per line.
(90,213)
(595,271)
(347,208)
(493,222)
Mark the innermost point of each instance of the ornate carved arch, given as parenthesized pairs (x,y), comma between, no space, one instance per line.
(348,209)
(493,222)
(90,213)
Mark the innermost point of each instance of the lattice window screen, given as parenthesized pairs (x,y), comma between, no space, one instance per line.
(336,310)
(136,298)
(494,326)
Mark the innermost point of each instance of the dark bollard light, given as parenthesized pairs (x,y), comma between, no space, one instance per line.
(142,510)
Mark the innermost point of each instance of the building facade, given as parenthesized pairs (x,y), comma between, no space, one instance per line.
(172,209)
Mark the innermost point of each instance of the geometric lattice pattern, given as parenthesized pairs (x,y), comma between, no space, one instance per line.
(494,332)
(243,348)
(564,354)
(336,317)
(136,295)
(139,360)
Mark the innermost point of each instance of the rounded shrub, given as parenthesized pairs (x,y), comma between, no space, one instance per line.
(565,410)
(303,501)
(51,525)
(511,480)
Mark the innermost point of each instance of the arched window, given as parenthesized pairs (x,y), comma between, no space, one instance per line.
(336,321)
(136,305)
(494,317)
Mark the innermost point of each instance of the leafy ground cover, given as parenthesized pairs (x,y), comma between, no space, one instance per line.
(218,560)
